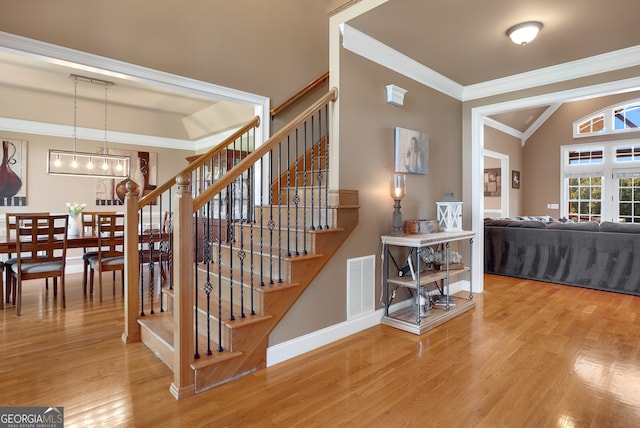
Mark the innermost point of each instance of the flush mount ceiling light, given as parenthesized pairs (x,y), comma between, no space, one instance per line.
(525,32)
(82,164)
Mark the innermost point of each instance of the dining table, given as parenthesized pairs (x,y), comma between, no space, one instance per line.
(83,240)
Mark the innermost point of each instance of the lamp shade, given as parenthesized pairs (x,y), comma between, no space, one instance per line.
(525,32)
(398,186)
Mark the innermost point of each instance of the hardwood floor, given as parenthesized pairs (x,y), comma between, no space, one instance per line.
(530,354)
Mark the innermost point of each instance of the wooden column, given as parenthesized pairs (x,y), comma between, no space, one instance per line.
(183,290)
(131,265)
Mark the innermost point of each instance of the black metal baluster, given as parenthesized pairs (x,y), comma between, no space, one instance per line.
(196,222)
(220,348)
(313,181)
(304,192)
(150,259)
(296,196)
(326,167)
(262,175)
(208,287)
(140,215)
(271,223)
(288,183)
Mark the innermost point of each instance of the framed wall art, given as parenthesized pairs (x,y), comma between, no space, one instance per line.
(411,151)
(492,182)
(13,173)
(515,179)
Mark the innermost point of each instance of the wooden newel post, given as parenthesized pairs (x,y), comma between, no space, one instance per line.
(131,265)
(183,290)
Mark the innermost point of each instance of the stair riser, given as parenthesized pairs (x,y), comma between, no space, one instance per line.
(237,290)
(160,348)
(317,177)
(269,266)
(297,217)
(292,241)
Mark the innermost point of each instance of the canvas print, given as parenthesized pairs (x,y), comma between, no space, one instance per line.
(492,182)
(143,171)
(411,151)
(13,173)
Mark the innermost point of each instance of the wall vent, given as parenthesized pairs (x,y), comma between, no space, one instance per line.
(360,286)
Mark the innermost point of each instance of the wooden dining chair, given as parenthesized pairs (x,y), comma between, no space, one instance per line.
(90,226)
(10,229)
(110,256)
(41,252)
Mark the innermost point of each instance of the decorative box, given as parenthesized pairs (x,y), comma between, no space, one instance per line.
(418,227)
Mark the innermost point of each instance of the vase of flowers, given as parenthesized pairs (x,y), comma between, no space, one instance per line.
(75,218)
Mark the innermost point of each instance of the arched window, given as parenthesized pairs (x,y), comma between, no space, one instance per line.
(617,118)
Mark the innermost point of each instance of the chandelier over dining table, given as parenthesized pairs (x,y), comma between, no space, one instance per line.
(88,164)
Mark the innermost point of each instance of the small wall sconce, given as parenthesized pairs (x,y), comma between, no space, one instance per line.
(395,95)
(397,189)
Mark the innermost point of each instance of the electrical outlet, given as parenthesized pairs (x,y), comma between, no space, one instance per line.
(553,206)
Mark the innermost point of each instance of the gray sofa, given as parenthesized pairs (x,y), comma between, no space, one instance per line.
(603,256)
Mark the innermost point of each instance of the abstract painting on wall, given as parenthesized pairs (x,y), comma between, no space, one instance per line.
(144,171)
(13,173)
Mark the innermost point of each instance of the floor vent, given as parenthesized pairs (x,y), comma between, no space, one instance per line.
(360,286)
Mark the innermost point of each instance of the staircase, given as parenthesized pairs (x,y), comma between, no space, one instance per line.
(242,252)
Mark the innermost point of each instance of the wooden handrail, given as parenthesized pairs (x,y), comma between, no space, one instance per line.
(151,196)
(302,92)
(259,152)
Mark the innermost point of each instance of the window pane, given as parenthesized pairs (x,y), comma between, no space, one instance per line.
(627,117)
(625,194)
(584,199)
(625,209)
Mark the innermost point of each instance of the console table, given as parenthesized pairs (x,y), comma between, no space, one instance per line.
(431,303)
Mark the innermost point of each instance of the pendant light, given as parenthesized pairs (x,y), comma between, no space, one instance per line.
(85,164)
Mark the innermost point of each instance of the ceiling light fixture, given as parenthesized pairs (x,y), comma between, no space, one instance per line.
(81,164)
(525,32)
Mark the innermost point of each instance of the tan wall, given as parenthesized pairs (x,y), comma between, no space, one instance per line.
(500,142)
(366,161)
(541,175)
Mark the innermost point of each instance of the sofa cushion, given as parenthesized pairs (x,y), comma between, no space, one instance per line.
(608,226)
(590,226)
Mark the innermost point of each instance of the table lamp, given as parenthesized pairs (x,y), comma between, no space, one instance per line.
(397,189)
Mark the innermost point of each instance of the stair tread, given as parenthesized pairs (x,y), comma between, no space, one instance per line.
(214,358)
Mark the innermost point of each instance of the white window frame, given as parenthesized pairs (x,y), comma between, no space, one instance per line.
(609,120)
(609,170)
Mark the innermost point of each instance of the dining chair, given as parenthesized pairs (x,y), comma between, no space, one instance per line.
(10,229)
(41,252)
(90,227)
(110,253)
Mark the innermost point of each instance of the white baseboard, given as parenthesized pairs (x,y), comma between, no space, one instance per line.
(300,345)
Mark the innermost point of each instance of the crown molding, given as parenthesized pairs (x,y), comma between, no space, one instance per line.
(610,61)
(499,126)
(115,137)
(539,121)
(376,51)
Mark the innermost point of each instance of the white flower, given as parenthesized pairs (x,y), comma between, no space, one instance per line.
(75,208)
